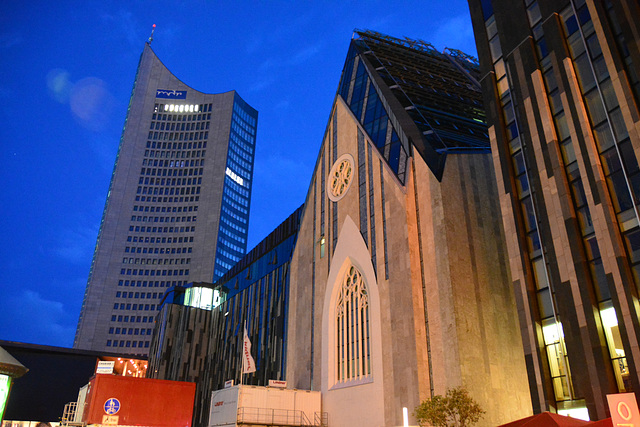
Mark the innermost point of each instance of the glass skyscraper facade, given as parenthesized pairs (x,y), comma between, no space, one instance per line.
(236,193)
(177,209)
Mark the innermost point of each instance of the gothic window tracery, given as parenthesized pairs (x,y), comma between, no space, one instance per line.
(353,360)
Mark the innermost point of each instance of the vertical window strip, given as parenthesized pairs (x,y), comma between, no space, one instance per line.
(334,206)
(424,285)
(356,62)
(335,136)
(313,276)
(567,153)
(609,130)
(334,226)
(322,195)
(592,82)
(623,49)
(365,101)
(372,211)
(526,208)
(362,186)
(384,224)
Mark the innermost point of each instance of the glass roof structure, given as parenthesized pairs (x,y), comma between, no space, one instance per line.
(407,95)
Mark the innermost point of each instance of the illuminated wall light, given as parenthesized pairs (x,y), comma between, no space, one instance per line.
(231,174)
(552,333)
(608,316)
(579,413)
(190,108)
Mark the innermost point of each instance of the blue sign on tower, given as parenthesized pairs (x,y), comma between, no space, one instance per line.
(112,406)
(171,94)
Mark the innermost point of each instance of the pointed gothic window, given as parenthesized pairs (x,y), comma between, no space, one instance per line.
(353,360)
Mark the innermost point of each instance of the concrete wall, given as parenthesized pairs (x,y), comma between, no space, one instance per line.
(439,242)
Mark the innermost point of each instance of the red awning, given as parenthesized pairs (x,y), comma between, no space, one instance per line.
(547,419)
(602,423)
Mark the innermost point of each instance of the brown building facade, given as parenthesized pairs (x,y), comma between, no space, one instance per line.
(561,88)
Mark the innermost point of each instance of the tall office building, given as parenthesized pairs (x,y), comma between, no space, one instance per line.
(177,210)
(399,284)
(561,86)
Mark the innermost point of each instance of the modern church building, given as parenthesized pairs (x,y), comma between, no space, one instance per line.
(398,286)
(562,93)
(177,210)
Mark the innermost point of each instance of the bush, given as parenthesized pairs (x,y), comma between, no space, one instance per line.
(455,409)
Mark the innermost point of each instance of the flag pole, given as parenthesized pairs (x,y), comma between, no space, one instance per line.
(248,363)
(242,353)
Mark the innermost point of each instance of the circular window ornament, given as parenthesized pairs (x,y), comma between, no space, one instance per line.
(340,177)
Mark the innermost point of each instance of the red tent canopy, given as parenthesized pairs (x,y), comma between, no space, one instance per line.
(547,419)
(602,423)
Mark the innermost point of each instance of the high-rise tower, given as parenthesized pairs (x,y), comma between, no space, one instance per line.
(177,210)
(561,86)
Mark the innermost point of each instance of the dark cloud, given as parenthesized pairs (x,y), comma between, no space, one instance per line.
(41,321)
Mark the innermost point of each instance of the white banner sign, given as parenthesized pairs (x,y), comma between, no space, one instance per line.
(105,367)
(248,364)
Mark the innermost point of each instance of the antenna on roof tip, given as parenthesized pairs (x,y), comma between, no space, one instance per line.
(151,36)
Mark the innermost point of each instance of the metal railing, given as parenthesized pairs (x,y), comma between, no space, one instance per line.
(69,415)
(280,417)
(321,419)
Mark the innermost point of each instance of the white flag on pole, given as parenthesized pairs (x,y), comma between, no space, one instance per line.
(248,364)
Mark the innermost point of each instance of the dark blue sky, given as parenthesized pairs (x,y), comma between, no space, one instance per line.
(66,73)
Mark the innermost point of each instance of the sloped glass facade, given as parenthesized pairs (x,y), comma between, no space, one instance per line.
(386,81)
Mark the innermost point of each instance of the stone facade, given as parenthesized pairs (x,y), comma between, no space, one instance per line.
(441,307)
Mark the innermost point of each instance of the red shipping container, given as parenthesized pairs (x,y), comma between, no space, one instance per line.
(130,401)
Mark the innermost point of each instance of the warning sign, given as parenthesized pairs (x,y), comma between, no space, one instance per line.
(110,420)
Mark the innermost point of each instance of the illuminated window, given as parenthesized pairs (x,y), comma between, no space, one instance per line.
(340,177)
(353,360)
(204,298)
(5,385)
(614,342)
(558,363)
